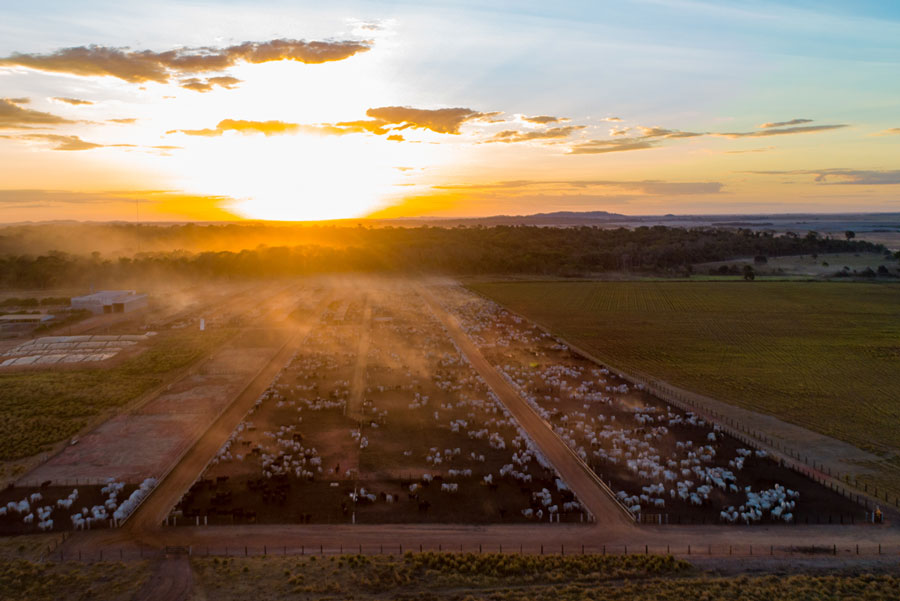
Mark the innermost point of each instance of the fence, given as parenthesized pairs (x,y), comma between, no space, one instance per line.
(682,550)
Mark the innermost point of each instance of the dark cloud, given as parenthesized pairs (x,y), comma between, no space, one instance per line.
(542,119)
(804,129)
(137,66)
(198,84)
(785,123)
(617,145)
(859,177)
(442,121)
(14,116)
(73,101)
(511,135)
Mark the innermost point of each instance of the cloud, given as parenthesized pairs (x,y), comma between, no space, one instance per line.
(206,85)
(805,129)
(785,123)
(59,142)
(651,136)
(19,100)
(123,121)
(651,187)
(542,119)
(619,131)
(511,135)
(383,121)
(764,149)
(163,203)
(138,66)
(618,145)
(376,127)
(611,119)
(73,101)
(890,132)
(659,132)
(396,138)
(442,121)
(14,116)
(860,177)
(267,128)
(63,142)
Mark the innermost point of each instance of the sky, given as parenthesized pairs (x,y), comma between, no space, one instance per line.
(301,110)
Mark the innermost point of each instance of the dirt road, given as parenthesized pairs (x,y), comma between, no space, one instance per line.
(172,580)
(577,476)
(358,385)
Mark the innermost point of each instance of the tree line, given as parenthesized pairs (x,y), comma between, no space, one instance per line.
(452,251)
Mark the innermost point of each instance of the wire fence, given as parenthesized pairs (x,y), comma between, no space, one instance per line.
(682,550)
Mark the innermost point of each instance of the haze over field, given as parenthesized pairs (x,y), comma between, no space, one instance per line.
(289,111)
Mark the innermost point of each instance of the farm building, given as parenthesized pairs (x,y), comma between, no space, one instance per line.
(29,318)
(20,324)
(110,301)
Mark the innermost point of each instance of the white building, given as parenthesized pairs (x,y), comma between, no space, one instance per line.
(110,301)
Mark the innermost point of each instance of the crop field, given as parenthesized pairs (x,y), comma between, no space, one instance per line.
(44,407)
(666,465)
(378,419)
(821,355)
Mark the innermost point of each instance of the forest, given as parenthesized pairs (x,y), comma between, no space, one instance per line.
(224,251)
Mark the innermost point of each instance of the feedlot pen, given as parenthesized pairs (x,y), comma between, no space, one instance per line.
(427,441)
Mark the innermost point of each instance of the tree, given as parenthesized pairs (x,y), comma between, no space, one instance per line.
(850,234)
(760,259)
(749,274)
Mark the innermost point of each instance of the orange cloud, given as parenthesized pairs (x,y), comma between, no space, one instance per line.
(206,85)
(511,135)
(14,116)
(542,119)
(442,121)
(60,142)
(138,66)
(72,101)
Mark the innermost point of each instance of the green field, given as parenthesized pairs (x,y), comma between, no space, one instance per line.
(820,354)
(42,407)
